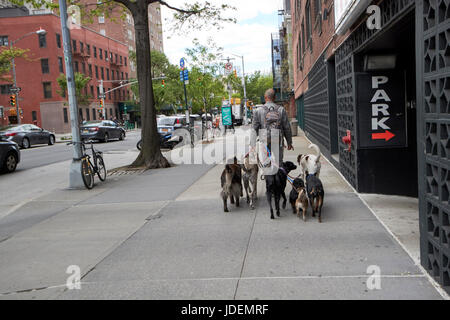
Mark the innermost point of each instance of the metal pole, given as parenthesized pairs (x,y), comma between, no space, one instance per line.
(245,90)
(102,98)
(75,179)
(15,86)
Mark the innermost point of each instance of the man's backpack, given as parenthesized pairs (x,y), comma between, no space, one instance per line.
(272,121)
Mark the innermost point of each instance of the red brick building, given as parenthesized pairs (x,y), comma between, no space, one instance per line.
(95,55)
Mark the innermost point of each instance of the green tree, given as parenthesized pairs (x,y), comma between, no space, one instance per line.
(256,85)
(206,88)
(6,56)
(193,16)
(80,83)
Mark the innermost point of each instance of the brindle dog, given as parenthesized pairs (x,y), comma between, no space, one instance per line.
(231,182)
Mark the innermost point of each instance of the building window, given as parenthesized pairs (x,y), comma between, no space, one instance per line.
(303,38)
(75,66)
(47,90)
(103,32)
(130,35)
(5,88)
(125,60)
(83,68)
(308,21)
(4,41)
(92,92)
(120,59)
(126,75)
(100,54)
(88,115)
(90,70)
(81,47)
(112,74)
(117,72)
(109,95)
(66,115)
(60,65)
(58,40)
(88,49)
(80,111)
(74,45)
(107,74)
(102,72)
(95,52)
(106,55)
(110,112)
(318,14)
(110,56)
(121,75)
(117,60)
(96,72)
(94,114)
(98,92)
(44,66)
(101,19)
(34,115)
(42,41)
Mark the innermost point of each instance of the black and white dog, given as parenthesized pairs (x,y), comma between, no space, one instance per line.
(276,186)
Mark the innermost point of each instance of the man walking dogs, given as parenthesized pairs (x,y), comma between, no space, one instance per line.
(271,121)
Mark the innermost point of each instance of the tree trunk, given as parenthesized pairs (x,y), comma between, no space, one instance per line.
(150,156)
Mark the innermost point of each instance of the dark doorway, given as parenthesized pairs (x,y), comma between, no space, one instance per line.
(392,170)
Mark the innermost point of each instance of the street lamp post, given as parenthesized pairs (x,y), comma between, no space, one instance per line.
(16,90)
(244,84)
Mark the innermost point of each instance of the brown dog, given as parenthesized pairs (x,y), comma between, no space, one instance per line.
(250,181)
(302,202)
(231,182)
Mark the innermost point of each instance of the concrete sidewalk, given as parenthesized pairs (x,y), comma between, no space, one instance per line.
(163,235)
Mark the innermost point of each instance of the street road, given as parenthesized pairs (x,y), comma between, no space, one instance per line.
(39,156)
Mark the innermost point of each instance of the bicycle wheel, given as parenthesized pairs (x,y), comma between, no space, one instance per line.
(87,173)
(101,168)
(139,145)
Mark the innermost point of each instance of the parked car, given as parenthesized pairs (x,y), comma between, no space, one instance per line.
(101,130)
(9,155)
(27,135)
(170,124)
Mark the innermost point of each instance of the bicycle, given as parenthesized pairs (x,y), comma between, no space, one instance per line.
(90,168)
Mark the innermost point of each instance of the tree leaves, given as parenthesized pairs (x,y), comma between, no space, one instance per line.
(80,84)
(6,56)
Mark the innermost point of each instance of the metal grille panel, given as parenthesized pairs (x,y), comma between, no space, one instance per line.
(316,104)
(433,56)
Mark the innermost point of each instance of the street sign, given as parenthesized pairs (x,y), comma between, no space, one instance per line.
(181,76)
(226,116)
(182,63)
(228,68)
(186,75)
(15,89)
(381,110)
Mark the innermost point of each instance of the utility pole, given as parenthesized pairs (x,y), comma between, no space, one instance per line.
(75,179)
(102,98)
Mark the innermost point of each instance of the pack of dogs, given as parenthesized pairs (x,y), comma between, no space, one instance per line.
(307,189)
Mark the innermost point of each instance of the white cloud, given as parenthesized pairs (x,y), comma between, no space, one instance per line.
(249,37)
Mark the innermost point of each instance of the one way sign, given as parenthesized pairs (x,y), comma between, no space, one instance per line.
(381,110)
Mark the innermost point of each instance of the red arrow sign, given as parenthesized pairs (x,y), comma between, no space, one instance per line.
(383,136)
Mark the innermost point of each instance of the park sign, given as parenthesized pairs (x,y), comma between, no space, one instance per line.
(381,110)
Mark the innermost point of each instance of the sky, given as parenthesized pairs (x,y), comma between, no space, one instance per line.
(250,36)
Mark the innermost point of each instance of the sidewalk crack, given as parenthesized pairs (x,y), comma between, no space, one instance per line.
(245,255)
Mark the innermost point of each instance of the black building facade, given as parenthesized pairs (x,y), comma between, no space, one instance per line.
(389,89)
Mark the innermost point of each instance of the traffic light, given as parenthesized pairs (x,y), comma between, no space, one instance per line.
(12,100)
(101,104)
(235,73)
(163,84)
